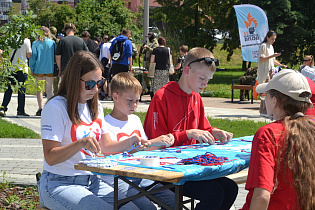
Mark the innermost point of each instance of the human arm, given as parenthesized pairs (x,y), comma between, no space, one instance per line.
(152,58)
(162,141)
(260,199)
(109,146)
(266,58)
(58,62)
(28,55)
(279,64)
(54,153)
(130,64)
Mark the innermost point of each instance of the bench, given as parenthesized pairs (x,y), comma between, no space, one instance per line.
(243,87)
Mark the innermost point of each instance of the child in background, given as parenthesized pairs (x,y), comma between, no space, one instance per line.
(180,62)
(281,170)
(177,108)
(123,125)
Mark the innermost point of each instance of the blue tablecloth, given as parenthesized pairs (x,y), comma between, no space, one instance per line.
(237,151)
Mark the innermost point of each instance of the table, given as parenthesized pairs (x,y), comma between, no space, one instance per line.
(237,151)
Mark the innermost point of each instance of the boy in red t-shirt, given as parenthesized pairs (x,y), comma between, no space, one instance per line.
(177,108)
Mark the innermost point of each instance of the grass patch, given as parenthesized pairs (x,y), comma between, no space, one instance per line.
(11,130)
(220,85)
(238,127)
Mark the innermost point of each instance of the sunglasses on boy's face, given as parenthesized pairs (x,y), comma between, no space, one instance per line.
(89,85)
(306,60)
(208,61)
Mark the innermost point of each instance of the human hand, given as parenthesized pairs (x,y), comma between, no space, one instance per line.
(164,140)
(221,135)
(32,74)
(200,135)
(59,73)
(91,144)
(276,55)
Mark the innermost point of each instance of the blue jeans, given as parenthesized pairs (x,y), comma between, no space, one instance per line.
(77,192)
(21,78)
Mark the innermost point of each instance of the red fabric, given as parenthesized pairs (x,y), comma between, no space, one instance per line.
(311,111)
(263,165)
(174,111)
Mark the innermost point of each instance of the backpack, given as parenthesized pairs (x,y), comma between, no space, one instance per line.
(118,51)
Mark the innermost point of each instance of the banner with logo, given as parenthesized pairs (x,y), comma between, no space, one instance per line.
(253,27)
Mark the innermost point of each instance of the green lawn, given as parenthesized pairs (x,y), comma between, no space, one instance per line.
(11,130)
(238,127)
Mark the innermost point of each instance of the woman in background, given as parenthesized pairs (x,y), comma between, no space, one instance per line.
(308,61)
(162,56)
(266,62)
(42,65)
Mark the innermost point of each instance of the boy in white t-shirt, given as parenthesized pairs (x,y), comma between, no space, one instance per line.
(123,125)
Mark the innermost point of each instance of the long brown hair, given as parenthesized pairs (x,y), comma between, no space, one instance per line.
(298,149)
(80,63)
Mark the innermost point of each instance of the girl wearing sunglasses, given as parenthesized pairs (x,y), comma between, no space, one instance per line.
(308,61)
(72,126)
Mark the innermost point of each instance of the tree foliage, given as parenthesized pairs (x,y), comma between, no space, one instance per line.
(12,36)
(196,20)
(99,17)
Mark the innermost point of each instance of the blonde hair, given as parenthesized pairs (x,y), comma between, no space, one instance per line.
(123,82)
(46,33)
(311,57)
(198,53)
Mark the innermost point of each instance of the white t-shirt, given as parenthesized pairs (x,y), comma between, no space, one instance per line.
(121,130)
(265,50)
(105,52)
(21,53)
(309,72)
(56,126)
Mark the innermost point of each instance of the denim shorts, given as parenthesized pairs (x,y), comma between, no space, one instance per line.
(77,192)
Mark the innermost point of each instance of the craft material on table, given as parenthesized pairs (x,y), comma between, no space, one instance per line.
(196,162)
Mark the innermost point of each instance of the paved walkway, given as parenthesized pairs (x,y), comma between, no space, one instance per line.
(21,159)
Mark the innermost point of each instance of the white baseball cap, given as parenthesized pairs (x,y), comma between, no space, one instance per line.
(290,83)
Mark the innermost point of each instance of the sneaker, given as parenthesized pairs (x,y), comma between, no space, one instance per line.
(20,114)
(39,112)
(2,113)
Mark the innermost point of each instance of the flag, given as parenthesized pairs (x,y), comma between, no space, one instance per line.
(253,27)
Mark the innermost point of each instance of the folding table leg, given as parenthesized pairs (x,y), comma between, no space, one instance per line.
(116,193)
(178,197)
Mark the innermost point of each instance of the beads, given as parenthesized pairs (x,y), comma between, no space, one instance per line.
(208,159)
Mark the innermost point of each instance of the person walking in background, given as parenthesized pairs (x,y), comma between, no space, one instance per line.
(266,63)
(91,45)
(22,54)
(162,56)
(67,46)
(53,36)
(281,170)
(147,51)
(183,50)
(124,61)
(104,58)
(42,65)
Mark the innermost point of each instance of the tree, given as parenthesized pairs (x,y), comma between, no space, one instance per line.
(12,36)
(291,19)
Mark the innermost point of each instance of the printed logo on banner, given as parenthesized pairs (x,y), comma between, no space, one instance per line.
(251,24)
(255,54)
